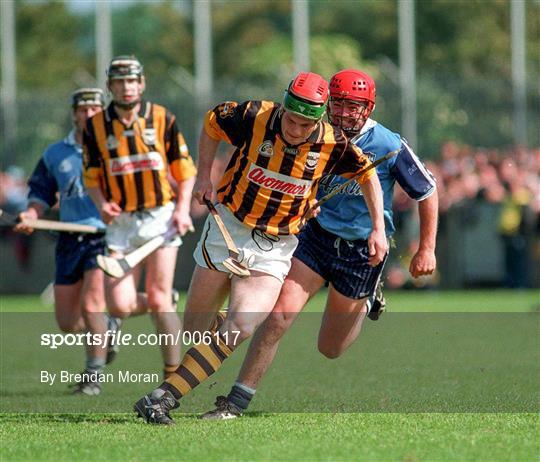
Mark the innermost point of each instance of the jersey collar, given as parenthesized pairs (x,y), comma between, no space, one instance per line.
(144,111)
(370,123)
(71,141)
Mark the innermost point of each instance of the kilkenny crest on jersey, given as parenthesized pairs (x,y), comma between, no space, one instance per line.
(149,136)
(266,149)
(112,142)
(312,159)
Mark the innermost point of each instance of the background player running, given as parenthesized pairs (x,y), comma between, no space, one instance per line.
(333,246)
(282,152)
(79,297)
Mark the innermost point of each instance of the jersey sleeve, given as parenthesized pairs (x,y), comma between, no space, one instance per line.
(42,185)
(351,162)
(92,170)
(412,175)
(180,162)
(227,122)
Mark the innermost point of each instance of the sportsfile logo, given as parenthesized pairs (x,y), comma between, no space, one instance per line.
(278,182)
(137,163)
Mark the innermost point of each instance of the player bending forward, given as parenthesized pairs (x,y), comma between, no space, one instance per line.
(282,152)
(333,247)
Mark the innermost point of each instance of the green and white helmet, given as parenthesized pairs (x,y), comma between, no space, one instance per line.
(307,95)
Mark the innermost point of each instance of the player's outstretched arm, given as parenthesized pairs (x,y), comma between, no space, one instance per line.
(424,261)
(377,242)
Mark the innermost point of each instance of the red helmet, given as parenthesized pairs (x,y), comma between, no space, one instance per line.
(307,95)
(355,86)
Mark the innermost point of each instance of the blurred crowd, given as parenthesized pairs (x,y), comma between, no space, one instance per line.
(509,178)
(465,175)
(495,176)
(13,191)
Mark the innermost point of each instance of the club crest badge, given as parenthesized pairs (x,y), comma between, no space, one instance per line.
(312,159)
(112,142)
(65,166)
(149,136)
(266,149)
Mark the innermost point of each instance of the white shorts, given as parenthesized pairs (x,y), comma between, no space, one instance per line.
(132,229)
(260,251)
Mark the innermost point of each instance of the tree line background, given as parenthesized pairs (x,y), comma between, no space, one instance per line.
(489,228)
(463,62)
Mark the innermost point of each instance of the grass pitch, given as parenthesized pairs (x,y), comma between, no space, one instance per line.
(76,432)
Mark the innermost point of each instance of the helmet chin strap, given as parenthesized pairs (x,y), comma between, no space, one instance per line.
(127,106)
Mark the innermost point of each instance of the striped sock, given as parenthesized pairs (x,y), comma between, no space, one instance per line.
(168,370)
(199,363)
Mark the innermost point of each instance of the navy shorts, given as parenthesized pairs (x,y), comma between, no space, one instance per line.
(342,263)
(75,254)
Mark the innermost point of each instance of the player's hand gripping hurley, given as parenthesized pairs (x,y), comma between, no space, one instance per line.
(231,263)
(7,219)
(322,200)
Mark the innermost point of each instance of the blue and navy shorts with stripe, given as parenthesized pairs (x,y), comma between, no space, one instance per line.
(75,254)
(342,263)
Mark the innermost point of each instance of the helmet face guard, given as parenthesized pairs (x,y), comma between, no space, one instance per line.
(307,96)
(352,99)
(87,97)
(348,114)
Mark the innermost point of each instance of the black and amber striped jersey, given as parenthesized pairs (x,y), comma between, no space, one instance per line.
(130,164)
(268,183)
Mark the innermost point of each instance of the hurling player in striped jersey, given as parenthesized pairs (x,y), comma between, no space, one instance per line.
(333,247)
(129,151)
(283,150)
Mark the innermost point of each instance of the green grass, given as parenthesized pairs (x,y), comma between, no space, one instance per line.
(386,437)
(474,355)
(494,300)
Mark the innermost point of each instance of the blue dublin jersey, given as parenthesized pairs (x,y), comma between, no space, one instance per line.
(346,214)
(60,171)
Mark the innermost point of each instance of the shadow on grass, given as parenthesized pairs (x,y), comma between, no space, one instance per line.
(68,418)
(100,418)
(68,392)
